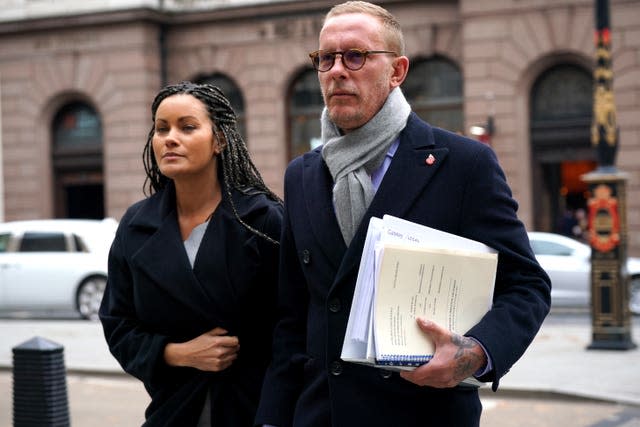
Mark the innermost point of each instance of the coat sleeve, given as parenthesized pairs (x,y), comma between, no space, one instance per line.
(283,380)
(139,352)
(522,289)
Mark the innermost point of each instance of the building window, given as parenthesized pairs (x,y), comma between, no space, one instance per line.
(561,104)
(77,126)
(433,87)
(233,94)
(77,162)
(305,107)
(562,93)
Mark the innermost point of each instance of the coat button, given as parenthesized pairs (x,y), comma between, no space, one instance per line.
(334,305)
(335,368)
(306,256)
(385,373)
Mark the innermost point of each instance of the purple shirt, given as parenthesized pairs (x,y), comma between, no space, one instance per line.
(378,174)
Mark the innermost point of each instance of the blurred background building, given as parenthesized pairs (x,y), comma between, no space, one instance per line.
(77,79)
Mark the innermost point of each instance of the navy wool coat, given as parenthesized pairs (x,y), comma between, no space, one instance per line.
(153,297)
(464,191)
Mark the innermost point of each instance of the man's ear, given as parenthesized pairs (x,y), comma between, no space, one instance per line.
(400,70)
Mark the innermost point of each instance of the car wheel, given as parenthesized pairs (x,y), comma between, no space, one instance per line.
(89,297)
(634,295)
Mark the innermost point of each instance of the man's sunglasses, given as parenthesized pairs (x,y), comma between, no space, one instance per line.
(352,59)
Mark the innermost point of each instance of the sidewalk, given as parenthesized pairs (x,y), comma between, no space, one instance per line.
(556,362)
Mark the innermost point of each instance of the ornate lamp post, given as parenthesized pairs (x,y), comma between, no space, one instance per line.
(611,318)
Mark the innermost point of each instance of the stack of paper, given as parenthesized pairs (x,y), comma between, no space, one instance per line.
(407,271)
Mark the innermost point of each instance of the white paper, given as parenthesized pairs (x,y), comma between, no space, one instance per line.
(359,345)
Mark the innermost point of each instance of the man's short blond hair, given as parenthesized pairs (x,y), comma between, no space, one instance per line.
(393,32)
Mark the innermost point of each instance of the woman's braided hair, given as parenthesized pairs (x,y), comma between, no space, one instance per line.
(238,171)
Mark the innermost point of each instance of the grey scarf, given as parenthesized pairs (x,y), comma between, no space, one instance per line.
(352,158)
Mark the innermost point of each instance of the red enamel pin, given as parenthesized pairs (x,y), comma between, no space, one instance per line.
(430,160)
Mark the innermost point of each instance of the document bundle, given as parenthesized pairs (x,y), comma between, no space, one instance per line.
(407,271)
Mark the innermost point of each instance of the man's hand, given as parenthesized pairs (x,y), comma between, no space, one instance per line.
(456,357)
(212,351)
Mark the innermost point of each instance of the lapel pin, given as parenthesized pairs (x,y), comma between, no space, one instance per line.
(430,160)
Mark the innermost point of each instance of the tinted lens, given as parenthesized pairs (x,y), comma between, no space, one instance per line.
(353,59)
(324,61)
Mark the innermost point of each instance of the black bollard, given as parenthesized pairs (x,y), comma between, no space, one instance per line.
(39,385)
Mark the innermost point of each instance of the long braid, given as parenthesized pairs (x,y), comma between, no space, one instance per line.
(238,171)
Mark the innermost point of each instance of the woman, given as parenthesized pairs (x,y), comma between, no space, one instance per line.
(189,305)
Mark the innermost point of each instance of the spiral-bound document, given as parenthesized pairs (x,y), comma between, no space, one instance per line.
(407,271)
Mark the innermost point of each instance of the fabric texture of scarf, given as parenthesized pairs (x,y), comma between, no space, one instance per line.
(352,158)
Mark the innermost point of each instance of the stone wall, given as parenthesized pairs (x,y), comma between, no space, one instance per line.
(112,61)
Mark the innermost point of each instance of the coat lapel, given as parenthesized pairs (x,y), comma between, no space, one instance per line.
(163,257)
(409,173)
(415,162)
(318,199)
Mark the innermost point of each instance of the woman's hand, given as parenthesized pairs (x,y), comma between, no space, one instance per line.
(212,351)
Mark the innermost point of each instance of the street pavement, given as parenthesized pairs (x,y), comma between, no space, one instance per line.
(558,361)
(557,365)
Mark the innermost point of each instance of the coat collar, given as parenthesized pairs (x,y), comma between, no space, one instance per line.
(163,258)
(163,203)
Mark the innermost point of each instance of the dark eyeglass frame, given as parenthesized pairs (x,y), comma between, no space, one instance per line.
(315,57)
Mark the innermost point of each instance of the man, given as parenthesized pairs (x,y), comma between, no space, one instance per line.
(379,158)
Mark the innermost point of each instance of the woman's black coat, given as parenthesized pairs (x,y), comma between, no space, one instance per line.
(154,297)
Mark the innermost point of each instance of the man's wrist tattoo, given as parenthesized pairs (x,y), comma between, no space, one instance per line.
(466,360)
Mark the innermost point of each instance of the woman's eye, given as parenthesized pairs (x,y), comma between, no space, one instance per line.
(160,129)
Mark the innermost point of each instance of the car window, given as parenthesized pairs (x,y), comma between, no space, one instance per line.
(79,245)
(541,247)
(43,242)
(4,241)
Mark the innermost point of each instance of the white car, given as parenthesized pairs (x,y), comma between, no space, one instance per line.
(54,265)
(568,264)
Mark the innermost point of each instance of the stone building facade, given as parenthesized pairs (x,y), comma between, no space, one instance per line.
(76,83)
